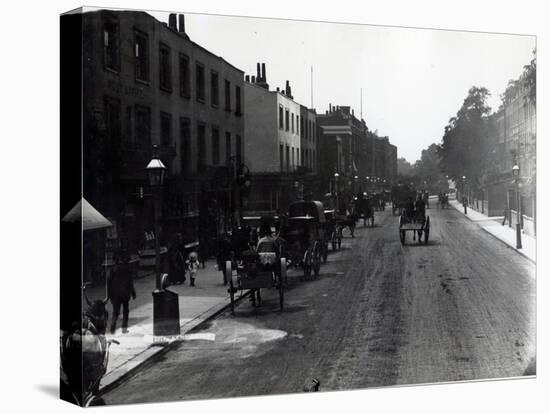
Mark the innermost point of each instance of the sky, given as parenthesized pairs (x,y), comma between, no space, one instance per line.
(413,80)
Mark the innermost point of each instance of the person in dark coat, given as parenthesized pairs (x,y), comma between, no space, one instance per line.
(176,264)
(119,290)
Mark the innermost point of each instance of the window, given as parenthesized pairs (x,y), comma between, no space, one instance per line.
(281,157)
(215,146)
(293,163)
(141,57)
(228,148)
(165,129)
(307,129)
(302,157)
(143,126)
(227,95)
(287,117)
(297,124)
(199,80)
(313,132)
(281,119)
(185,76)
(292,123)
(201,146)
(111,44)
(185,144)
(238,150)
(238,101)
(214,88)
(287,157)
(165,74)
(302,127)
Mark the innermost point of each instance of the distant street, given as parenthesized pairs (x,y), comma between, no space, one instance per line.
(460,308)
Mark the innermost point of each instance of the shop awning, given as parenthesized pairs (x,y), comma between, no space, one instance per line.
(84,212)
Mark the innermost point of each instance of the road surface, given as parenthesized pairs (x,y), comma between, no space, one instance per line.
(460,308)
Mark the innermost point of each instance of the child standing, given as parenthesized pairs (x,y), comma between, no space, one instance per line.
(192,263)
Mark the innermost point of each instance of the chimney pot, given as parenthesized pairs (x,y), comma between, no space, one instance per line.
(258,74)
(247,78)
(253,79)
(330,107)
(181,23)
(172,21)
(263,73)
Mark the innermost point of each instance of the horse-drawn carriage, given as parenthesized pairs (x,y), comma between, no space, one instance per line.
(255,271)
(419,224)
(366,210)
(443,200)
(305,242)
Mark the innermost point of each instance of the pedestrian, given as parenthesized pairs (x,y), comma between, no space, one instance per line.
(192,263)
(176,264)
(119,290)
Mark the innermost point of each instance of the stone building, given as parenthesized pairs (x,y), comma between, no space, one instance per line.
(146,82)
(281,146)
(348,148)
(515,143)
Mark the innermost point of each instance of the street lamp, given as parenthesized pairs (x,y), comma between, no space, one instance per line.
(165,303)
(336,175)
(515,173)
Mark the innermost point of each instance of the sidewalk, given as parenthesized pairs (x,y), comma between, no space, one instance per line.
(196,304)
(506,234)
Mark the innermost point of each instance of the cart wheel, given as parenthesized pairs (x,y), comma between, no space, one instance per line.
(402,236)
(282,276)
(229,279)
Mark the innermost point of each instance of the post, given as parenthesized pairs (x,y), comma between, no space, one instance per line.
(156,208)
(518,217)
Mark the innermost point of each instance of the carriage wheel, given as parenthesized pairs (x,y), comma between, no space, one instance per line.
(316,260)
(229,278)
(282,276)
(307,265)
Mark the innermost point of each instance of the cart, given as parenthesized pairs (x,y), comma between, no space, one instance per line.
(256,271)
(419,225)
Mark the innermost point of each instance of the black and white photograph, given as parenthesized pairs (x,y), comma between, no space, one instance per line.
(274,204)
(301,205)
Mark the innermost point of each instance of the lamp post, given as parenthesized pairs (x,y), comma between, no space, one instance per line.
(515,173)
(336,175)
(155,174)
(464,198)
(165,303)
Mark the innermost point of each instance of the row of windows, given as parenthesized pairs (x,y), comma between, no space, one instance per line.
(141,69)
(289,157)
(295,124)
(138,132)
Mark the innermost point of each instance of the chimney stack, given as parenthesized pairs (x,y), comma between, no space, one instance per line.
(277,89)
(172,21)
(264,79)
(330,107)
(181,23)
(353,112)
(247,78)
(258,74)
(253,79)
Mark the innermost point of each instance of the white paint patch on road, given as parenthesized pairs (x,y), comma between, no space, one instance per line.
(200,336)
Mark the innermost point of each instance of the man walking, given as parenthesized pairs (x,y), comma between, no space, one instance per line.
(119,290)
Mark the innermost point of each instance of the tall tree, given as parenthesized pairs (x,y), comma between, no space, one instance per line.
(465,147)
